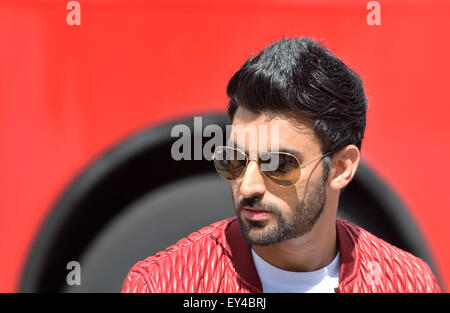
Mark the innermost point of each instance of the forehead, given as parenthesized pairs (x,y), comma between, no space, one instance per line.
(289,131)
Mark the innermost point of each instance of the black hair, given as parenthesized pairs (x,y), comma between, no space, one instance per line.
(300,75)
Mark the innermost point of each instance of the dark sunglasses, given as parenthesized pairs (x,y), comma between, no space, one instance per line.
(282,168)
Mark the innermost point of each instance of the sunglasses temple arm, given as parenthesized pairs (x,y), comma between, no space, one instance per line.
(304,165)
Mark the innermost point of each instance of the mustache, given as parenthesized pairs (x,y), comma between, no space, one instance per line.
(255,202)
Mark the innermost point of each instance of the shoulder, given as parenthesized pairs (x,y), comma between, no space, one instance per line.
(182,263)
(386,266)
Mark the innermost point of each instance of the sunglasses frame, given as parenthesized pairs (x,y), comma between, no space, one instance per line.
(248,159)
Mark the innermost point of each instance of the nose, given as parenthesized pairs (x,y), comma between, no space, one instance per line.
(252,184)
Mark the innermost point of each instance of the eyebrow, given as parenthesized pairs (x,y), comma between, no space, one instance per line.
(280,149)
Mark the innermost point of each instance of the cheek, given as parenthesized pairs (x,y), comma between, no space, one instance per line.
(287,201)
(300,192)
(289,205)
(306,184)
(235,190)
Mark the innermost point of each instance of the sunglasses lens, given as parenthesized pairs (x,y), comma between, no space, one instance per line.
(229,163)
(283,169)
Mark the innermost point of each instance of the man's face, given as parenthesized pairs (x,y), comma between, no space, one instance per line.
(291,211)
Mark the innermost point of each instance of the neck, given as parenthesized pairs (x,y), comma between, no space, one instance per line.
(307,253)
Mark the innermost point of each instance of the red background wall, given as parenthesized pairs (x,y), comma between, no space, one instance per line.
(67,93)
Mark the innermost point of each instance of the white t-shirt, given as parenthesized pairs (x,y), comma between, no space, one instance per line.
(274,279)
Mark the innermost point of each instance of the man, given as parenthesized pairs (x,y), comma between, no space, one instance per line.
(285,236)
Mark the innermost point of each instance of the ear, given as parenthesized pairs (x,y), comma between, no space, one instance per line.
(344,166)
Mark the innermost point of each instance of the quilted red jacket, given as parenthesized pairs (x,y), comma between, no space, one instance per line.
(217,259)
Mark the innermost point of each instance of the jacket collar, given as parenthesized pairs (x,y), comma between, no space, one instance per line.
(241,256)
(348,254)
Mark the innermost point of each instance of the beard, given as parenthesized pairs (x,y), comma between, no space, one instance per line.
(264,233)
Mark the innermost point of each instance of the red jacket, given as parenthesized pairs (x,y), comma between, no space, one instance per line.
(217,259)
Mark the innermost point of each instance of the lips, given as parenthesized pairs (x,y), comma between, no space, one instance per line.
(252,208)
(255,213)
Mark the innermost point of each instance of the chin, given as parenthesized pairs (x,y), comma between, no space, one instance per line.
(255,232)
